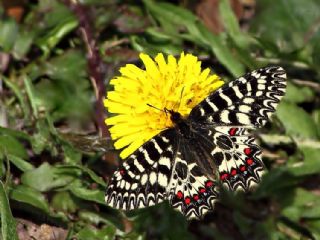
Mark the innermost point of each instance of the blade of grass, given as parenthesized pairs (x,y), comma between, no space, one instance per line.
(30,92)
(8,224)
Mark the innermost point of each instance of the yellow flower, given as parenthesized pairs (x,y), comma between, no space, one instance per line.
(175,85)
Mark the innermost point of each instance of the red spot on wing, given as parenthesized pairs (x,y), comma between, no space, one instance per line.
(249,161)
(187,200)
(122,171)
(233,172)
(196,197)
(209,183)
(224,176)
(247,151)
(233,131)
(242,168)
(202,190)
(179,195)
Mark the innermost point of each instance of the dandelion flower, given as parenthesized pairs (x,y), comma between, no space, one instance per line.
(173,84)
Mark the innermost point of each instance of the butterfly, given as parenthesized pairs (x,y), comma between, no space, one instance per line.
(185,163)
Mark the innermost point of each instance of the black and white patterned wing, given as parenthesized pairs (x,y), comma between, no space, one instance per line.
(230,113)
(248,101)
(237,157)
(164,168)
(143,178)
(192,188)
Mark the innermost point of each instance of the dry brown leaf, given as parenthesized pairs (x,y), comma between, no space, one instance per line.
(208,12)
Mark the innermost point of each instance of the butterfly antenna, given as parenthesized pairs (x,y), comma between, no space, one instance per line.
(180,98)
(156,107)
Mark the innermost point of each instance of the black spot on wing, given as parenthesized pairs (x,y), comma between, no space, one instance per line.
(230,92)
(164,169)
(206,107)
(196,171)
(182,170)
(218,158)
(224,142)
(233,117)
(152,151)
(133,168)
(219,101)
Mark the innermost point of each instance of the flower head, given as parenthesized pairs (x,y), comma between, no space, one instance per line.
(175,85)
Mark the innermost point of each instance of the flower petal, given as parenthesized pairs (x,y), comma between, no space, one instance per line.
(139,97)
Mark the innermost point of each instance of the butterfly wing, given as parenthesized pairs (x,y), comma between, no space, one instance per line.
(192,191)
(182,169)
(238,157)
(248,101)
(159,170)
(143,178)
(229,113)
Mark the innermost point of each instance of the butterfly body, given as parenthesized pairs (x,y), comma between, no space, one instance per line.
(181,125)
(183,164)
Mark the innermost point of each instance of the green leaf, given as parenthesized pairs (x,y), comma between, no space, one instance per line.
(316,118)
(221,51)
(94,176)
(30,196)
(65,67)
(8,33)
(66,89)
(296,121)
(273,184)
(94,195)
(19,94)
(109,216)
(142,45)
(298,94)
(231,24)
(31,95)
(58,21)
(11,146)
(14,133)
(72,156)
(23,44)
(96,234)
(8,223)
(197,32)
(63,201)
(315,228)
(286,13)
(93,217)
(20,163)
(46,177)
(309,166)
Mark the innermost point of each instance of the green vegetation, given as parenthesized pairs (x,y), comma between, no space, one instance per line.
(56,58)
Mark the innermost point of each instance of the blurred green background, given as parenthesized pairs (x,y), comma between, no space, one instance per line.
(56,58)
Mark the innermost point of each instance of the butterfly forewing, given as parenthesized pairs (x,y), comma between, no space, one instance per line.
(143,178)
(248,101)
(183,164)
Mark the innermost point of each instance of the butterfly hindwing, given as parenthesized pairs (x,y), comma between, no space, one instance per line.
(248,101)
(232,151)
(192,191)
(238,158)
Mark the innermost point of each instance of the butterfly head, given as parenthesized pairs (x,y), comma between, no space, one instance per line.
(175,117)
